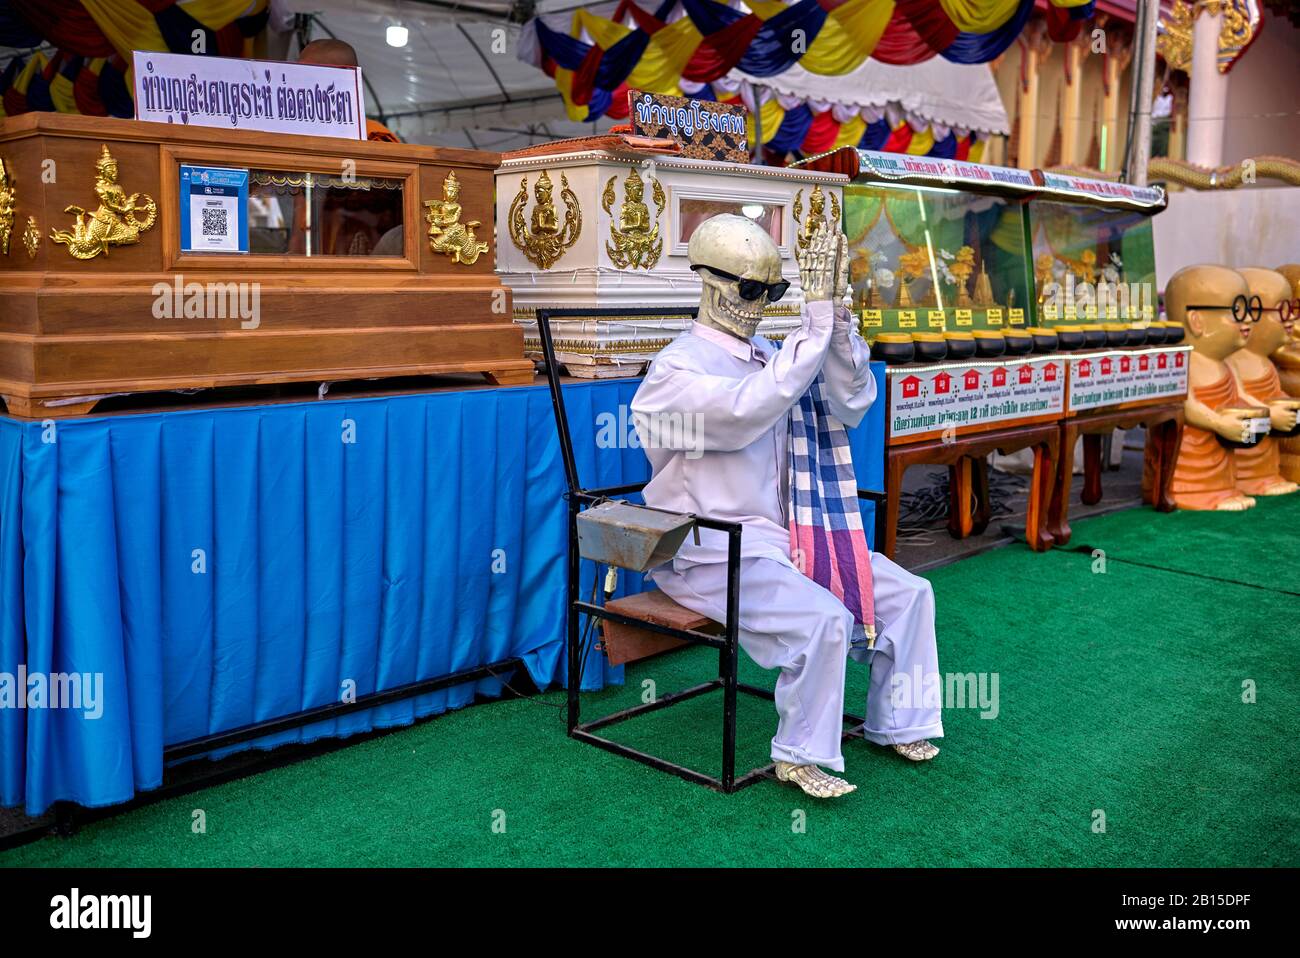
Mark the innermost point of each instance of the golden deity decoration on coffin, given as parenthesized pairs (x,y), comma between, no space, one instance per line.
(633,243)
(547,240)
(816,218)
(8,199)
(115,223)
(31,237)
(447,234)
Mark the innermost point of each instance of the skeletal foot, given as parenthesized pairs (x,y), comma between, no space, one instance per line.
(921,751)
(813,780)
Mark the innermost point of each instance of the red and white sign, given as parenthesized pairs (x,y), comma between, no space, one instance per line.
(1123,382)
(930,403)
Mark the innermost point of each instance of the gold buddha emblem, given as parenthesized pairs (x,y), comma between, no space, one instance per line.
(816,214)
(633,244)
(115,223)
(31,237)
(447,234)
(8,199)
(546,240)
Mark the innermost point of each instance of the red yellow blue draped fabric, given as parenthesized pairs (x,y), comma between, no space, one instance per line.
(800,130)
(698,41)
(89,70)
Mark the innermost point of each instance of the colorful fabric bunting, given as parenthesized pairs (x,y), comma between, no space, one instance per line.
(685,42)
(89,72)
(797,130)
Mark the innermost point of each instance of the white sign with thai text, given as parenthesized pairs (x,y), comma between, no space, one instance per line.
(1128,376)
(237,94)
(966,396)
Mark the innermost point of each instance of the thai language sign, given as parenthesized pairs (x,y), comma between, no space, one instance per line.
(706,130)
(1128,377)
(968,397)
(235,94)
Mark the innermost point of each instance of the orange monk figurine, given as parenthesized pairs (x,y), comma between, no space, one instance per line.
(1259,466)
(1205,299)
(1287,361)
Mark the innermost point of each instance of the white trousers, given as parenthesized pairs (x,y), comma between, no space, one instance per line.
(791,623)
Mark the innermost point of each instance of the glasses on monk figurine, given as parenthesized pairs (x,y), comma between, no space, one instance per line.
(1244,309)
(750,289)
(1287,311)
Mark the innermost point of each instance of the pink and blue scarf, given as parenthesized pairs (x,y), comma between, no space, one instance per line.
(826,533)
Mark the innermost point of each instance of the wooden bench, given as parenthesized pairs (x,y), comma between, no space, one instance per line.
(623,643)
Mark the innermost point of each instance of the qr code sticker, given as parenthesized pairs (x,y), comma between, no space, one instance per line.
(214,222)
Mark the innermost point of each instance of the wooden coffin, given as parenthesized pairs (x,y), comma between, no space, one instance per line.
(124,319)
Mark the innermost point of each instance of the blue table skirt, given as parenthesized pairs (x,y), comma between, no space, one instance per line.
(220,567)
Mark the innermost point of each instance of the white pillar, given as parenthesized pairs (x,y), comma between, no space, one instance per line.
(1208,98)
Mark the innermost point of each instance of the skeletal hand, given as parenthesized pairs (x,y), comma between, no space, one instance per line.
(842,272)
(819,265)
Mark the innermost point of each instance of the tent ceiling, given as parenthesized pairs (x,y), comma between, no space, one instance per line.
(457,82)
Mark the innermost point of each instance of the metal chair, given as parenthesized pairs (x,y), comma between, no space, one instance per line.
(727,643)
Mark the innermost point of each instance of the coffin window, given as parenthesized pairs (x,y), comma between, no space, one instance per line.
(693,212)
(318,214)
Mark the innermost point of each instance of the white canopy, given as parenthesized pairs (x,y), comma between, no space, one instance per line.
(935,92)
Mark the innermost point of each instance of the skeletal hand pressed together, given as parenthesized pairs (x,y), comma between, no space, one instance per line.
(824,266)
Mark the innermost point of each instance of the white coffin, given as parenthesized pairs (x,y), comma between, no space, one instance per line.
(585,275)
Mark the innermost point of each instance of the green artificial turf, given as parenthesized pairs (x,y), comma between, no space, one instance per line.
(1119,692)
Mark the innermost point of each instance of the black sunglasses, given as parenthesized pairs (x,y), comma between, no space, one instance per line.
(1244,309)
(750,289)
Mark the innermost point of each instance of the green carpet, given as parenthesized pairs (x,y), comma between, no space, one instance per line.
(1207,543)
(1119,692)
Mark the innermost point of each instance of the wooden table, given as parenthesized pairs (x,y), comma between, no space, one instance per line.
(964,455)
(1164,425)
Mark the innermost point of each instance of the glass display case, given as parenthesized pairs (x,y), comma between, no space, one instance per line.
(1092,263)
(935,258)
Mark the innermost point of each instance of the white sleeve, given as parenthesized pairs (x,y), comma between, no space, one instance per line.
(850,386)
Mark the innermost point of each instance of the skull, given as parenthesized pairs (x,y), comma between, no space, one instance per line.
(739,246)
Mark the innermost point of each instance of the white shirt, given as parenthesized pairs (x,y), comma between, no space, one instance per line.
(712,415)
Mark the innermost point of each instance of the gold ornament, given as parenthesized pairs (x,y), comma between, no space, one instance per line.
(1043,273)
(447,234)
(1236,31)
(983,288)
(633,244)
(8,199)
(115,222)
(913,264)
(816,214)
(31,237)
(547,240)
(963,264)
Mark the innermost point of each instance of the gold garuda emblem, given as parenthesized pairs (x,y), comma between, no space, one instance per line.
(117,222)
(447,234)
(546,240)
(816,214)
(8,200)
(632,243)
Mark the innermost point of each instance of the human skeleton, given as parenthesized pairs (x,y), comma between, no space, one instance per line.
(743,388)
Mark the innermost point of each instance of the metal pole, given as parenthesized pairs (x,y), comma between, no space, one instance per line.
(729,662)
(1138,149)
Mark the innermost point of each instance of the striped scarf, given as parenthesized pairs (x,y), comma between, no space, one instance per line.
(826,534)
